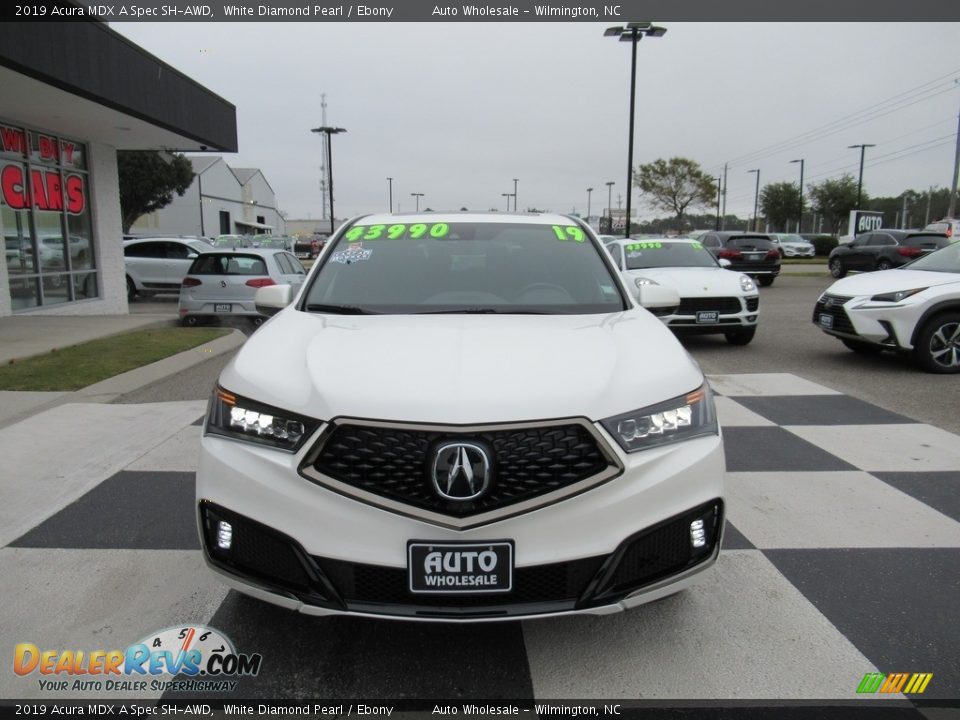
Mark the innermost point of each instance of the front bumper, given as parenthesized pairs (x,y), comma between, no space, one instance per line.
(302,546)
(798,252)
(732,313)
(886,325)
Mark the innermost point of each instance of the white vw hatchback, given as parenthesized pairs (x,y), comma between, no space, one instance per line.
(461,417)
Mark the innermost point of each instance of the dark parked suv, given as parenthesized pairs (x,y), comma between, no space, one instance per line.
(883,249)
(751,253)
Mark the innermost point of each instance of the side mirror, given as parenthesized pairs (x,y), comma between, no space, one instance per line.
(191,256)
(658,297)
(724,263)
(272,299)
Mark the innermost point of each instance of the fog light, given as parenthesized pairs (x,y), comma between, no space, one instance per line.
(698,538)
(225,535)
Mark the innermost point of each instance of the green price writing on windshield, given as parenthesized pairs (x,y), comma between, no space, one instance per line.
(569,232)
(644,246)
(396,232)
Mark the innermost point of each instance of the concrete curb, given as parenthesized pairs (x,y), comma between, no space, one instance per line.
(24,405)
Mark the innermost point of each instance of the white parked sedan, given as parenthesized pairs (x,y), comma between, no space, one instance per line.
(462,416)
(222,283)
(712,298)
(914,308)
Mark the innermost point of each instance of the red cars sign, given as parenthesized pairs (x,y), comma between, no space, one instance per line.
(46,188)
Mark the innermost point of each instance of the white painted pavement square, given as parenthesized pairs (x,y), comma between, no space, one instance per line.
(60,454)
(911,447)
(743,632)
(832,510)
(766,384)
(97,600)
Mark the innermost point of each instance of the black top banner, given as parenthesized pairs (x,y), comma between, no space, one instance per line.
(612,11)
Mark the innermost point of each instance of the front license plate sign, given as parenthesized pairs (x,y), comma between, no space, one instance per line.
(706,317)
(460,569)
(222,307)
(826,321)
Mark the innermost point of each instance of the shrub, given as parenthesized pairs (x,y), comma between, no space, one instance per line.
(824,244)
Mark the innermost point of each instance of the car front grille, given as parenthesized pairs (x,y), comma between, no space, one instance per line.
(841,321)
(723,305)
(753,304)
(395,462)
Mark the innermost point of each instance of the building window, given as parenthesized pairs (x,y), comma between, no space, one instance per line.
(224,222)
(45,215)
(261,219)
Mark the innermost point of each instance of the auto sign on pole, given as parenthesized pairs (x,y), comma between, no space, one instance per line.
(864,221)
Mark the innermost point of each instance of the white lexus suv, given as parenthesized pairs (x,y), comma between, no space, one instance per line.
(461,417)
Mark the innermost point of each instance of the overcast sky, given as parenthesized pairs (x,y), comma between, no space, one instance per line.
(457,110)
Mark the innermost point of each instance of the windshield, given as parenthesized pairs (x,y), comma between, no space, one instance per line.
(438,267)
(943,260)
(792,239)
(662,253)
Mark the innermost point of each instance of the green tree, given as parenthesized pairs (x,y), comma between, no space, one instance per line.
(835,198)
(675,185)
(148,181)
(780,202)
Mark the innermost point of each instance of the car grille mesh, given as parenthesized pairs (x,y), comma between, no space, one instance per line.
(724,305)
(753,304)
(395,463)
(841,321)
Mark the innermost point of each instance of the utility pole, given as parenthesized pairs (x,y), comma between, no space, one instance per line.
(956,170)
(903,215)
(723,214)
(324,170)
(929,193)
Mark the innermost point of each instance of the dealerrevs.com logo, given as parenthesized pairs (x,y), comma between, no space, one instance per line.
(204,659)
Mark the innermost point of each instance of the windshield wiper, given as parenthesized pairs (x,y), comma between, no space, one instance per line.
(340,309)
(481,311)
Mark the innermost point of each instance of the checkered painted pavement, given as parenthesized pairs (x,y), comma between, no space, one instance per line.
(841,557)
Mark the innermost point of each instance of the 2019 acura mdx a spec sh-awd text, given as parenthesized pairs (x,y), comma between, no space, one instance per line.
(461,417)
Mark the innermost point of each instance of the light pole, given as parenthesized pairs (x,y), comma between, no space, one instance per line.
(589,190)
(390,185)
(756,198)
(515,181)
(417,196)
(632,33)
(328,131)
(610,205)
(800,216)
(507,196)
(863,150)
(718,203)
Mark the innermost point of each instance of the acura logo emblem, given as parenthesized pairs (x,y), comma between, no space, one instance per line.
(461,471)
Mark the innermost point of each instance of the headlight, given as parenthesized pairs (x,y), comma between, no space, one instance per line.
(897,296)
(746,284)
(242,419)
(688,416)
(641,281)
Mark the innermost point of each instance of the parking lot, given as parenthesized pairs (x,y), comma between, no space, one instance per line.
(839,558)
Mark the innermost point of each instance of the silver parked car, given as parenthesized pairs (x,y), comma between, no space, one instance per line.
(793,245)
(222,283)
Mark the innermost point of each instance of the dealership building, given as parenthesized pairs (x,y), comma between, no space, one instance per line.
(71,95)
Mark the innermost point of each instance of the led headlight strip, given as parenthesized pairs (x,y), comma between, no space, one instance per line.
(242,419)
(684,417)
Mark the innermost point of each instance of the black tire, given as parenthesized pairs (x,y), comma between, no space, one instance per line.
(190,320)
(131,290)
(257,321)
(938,346)
(766,280)
(884,264)
(743,336)
(859,346)
(837,269)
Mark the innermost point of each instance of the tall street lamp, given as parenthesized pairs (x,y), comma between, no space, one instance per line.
(863,150)
(610,204)
(800,216)
(589,190)
(390,185)
(632,33)
(515,181)
(417,196)
(718,203)
(328,131)
(507,196)
(756,198)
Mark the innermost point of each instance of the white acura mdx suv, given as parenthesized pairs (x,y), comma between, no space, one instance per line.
(461,417)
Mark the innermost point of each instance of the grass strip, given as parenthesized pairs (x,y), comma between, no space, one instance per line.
(80,365)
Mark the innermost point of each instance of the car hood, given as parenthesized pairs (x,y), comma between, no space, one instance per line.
(691,282)
(890,281)
(461,369)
